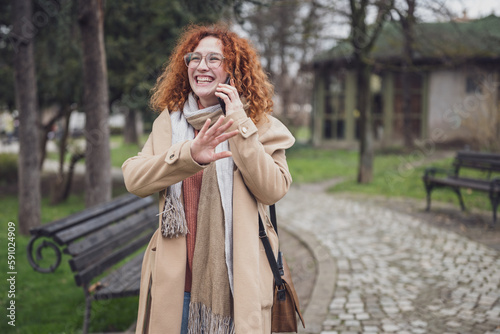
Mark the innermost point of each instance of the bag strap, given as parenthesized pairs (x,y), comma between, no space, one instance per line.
(276,266)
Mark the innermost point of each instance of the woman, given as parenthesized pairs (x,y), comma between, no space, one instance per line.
(215,174)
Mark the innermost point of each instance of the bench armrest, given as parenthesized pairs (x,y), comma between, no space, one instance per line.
(34,260)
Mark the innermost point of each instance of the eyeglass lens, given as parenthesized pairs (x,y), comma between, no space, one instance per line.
(212,59)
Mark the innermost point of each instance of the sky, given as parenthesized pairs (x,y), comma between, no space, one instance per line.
(476,8)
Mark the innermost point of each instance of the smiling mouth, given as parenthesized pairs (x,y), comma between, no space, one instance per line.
(201,79)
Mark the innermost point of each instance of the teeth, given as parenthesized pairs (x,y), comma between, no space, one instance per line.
(204,79)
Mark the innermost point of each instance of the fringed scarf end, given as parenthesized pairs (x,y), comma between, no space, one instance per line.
(173,221)
(202,320)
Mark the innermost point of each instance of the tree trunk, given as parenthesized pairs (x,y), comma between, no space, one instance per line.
(130,135)
(407,25)
(26,100)
(58,188)
(365,171)
(45,129)
(95,103)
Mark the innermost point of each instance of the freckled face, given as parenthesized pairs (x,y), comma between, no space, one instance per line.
(204,80)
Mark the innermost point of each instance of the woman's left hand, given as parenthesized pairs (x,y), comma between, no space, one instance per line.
(229,94)
(204,144)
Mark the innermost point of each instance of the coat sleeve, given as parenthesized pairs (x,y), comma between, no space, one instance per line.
(259,154)
(159,164)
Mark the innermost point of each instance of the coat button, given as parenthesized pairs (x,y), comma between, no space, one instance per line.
(244,129)
(172,157)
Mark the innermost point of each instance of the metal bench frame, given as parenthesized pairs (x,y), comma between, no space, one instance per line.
(487,162)
(98,238)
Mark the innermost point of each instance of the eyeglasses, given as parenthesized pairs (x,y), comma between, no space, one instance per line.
(212,59)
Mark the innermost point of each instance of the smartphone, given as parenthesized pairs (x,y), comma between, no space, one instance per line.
(221,101)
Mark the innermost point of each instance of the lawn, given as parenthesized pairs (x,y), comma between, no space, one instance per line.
(394,175)
(52,303)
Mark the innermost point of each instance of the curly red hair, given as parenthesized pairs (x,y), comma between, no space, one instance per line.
(241,62)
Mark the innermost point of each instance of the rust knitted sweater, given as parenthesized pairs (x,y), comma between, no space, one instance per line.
(191,195)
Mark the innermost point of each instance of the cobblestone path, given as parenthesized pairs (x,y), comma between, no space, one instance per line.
(395,273)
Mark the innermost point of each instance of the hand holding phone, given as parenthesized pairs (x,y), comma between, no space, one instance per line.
(221,101)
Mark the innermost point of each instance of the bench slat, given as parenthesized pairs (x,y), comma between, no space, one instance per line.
(85,276)
(476,160)
(102,236)
(64,223)
(462,182)
(143,222)
(123,282)
(91,225)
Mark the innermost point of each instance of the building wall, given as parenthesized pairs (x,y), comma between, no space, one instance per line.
(457,108)
(446,91)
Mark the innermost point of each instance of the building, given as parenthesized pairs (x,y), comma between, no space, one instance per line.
(454,85)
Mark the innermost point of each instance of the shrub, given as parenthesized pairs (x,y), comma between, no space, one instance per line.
(8,168)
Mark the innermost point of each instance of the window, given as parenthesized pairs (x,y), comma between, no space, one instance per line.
(473,84)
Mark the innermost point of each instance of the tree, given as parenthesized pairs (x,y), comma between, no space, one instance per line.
(95,103)
(362,37)
(23,34)
(407,21)
(287,34)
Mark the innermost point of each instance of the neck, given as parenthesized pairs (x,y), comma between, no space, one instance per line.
(200,105)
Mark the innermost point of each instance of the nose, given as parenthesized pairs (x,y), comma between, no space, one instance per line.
(203,64)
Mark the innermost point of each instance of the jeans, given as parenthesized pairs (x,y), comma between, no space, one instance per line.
(185,313)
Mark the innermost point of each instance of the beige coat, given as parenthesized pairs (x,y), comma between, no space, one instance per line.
(261,178)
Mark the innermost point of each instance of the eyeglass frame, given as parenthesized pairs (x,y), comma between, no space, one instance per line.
(202,57)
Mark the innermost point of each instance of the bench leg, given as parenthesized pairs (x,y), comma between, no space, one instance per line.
(494,205)
(88,308)
(428,190)
(460,198)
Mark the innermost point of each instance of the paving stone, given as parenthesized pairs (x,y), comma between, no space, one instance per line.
(418,331)
(352,323)
(448,312)
(332,322)
(453,324)
(390,328)
(371,329)
(362,316)
(391,310)
(419,323)
(345,316)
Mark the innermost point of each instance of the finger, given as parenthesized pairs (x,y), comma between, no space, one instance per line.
(212,130)
(222,155)
(226,136)
(223,96)
(229,91)
(224,127)
(205,127)
(226,89)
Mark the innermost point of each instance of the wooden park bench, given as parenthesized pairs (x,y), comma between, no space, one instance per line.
(96,239)
(485,162)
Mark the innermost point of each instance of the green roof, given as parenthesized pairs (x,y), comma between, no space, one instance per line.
(442,41)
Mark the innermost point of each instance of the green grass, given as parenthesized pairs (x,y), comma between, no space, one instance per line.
(121,151)
(313,165)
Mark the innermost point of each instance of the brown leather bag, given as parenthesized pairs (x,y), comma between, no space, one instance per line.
(285,303)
